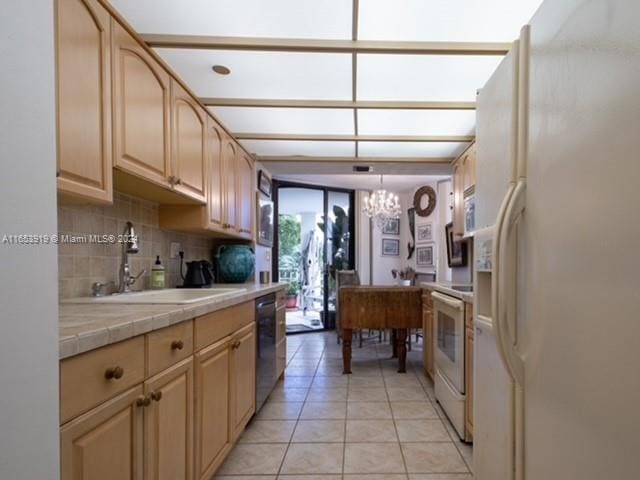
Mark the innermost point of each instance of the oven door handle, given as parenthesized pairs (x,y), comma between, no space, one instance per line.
(452,302)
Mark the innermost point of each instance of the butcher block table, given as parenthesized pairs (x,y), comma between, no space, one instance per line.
(379,308)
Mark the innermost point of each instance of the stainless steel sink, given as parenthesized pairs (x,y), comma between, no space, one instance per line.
(168,296)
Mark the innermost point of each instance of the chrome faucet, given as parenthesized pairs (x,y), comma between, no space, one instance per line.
(129,245)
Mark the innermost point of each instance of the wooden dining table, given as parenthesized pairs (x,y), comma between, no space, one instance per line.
(379,308)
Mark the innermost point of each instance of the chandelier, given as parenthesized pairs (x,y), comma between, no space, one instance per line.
(382,206)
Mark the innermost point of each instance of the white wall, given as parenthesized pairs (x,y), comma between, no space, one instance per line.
(29,282)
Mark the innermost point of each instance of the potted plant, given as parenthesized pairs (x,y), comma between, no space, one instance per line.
(292,294)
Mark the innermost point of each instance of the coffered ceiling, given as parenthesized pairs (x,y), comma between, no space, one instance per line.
(336,79)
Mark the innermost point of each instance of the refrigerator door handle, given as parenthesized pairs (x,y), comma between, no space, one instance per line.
(506,323)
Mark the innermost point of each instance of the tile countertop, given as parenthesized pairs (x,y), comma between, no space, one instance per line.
(85,327)
(445,287)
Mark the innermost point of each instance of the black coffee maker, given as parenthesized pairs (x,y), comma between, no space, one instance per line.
(198,274)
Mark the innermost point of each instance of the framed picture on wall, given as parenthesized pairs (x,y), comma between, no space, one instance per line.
(391,227)
(264,183)
(456,249)
(424,233)
(424,256)
(264,212)
(390,247)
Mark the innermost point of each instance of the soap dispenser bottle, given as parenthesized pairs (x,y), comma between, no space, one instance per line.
(157,275)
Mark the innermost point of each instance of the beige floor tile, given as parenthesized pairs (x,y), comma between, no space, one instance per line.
(440,476)
(331,382)
(297,382)
(324,411)
(368,382)
(329,371)
(300,371)
(307,458)
(376,476)
(413,410)
(268,431)
(436,457)
(362,394)
(327,394)
(373,458)
(319,431)
(309,477)
(254,459)
(288,395)
(360,431)
(280,411)
(406,394)
(244,477)
(466,451)
(402,380)
(368,410)
(422,431)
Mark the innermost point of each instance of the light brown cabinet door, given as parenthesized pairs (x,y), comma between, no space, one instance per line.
(469,168)
(243,378)
(168,424)
(245,196)
(83,53)
(427,332)
(188,142)
(212,432)
(468,351)
(458,200)
(214,175)
(229,153)
(141,110)
(106,442)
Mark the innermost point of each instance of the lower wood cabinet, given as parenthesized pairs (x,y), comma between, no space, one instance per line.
(105,443)
(168,424)
(212,432)
(177,421)
(243,378)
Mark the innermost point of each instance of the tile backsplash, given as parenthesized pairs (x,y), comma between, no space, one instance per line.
(82,264)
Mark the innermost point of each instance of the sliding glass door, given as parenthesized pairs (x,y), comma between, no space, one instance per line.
(314,239)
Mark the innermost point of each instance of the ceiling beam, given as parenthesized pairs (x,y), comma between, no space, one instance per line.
(264,44)
(360,104)
(355,138)
(357,160)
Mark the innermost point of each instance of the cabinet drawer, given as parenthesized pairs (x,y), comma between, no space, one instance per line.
(281,323)
(216,325)
(91,378)
(168,346)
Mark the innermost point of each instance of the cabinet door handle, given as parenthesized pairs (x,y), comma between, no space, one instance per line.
(235,345)
(156,396)
(143,401)
(114,373)
(177,345)
(177,181)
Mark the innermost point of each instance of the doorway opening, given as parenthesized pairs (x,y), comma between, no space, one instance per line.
(314,238)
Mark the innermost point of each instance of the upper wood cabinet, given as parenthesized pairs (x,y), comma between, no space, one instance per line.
(214,175)
(168,424)
(245,199)
(243,379)
(142,102)
(464,179)
(189,138)
(229,161)
(212,432)
(469,168)
(106,443)
(83,53)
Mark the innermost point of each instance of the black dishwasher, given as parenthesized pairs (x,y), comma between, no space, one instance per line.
(266,371)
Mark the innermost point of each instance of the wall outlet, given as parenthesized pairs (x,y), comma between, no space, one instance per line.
(174,249)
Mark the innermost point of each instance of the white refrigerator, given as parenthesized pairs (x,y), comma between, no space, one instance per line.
(557,257)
